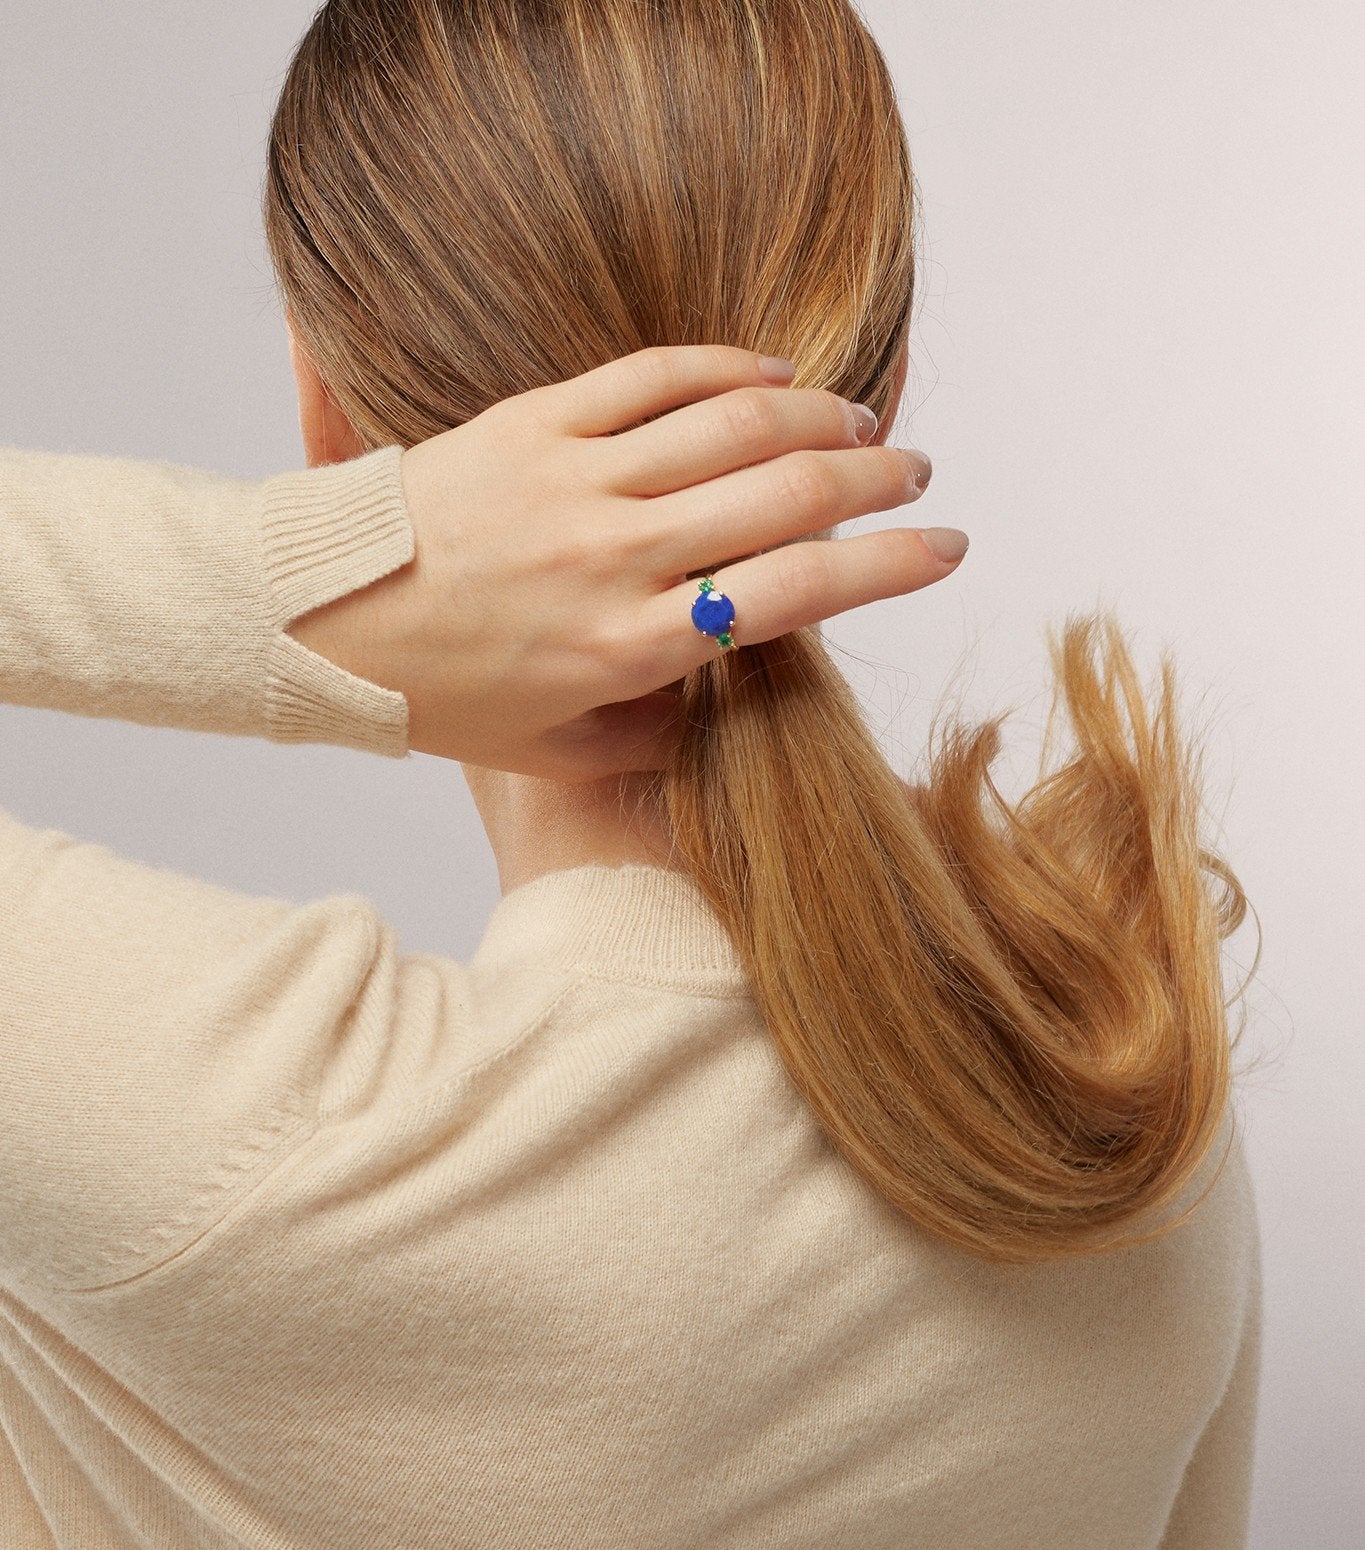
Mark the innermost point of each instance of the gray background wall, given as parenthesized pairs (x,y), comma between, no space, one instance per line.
(1137,371)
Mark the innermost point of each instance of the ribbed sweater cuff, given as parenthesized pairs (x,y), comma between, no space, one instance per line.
(326,532)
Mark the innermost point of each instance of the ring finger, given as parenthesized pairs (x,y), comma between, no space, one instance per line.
(786,589)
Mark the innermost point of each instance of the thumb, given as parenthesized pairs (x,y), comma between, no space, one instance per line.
(620,738)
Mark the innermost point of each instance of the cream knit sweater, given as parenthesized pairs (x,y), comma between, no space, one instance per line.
(307,1243)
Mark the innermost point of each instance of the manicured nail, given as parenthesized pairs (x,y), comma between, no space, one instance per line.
(921,470)
(948,544)
(777,370)
(866,423)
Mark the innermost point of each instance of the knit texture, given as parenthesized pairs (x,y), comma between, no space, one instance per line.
(307,1243)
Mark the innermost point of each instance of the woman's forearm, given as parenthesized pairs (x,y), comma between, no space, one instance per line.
(165,596)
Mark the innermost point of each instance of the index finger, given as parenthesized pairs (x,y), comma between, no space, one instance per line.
(624,392)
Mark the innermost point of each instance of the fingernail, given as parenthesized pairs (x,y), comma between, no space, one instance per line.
(865,423)
(776,369)
(921,469)
(948,544)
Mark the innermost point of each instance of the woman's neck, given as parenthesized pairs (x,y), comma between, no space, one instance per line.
(537,826)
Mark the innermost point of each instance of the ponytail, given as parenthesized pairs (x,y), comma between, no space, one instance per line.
(1008,1018)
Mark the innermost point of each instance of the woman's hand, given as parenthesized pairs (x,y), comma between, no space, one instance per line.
(544,625)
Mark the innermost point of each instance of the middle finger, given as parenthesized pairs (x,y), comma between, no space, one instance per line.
(727,432)
(776,503)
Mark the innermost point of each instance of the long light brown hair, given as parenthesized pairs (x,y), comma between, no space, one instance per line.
(1008,1017)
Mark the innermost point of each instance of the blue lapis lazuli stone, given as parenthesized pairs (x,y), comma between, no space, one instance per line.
(713,613)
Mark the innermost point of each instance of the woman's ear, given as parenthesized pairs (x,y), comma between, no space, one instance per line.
(328,436)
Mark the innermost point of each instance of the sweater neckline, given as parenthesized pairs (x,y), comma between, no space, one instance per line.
(639,922)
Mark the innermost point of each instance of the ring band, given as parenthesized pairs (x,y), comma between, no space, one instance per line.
(713,613)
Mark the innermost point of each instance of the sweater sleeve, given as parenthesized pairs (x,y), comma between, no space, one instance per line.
(162,595)
(165,1042)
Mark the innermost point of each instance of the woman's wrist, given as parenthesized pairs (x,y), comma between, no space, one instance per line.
(341,558)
